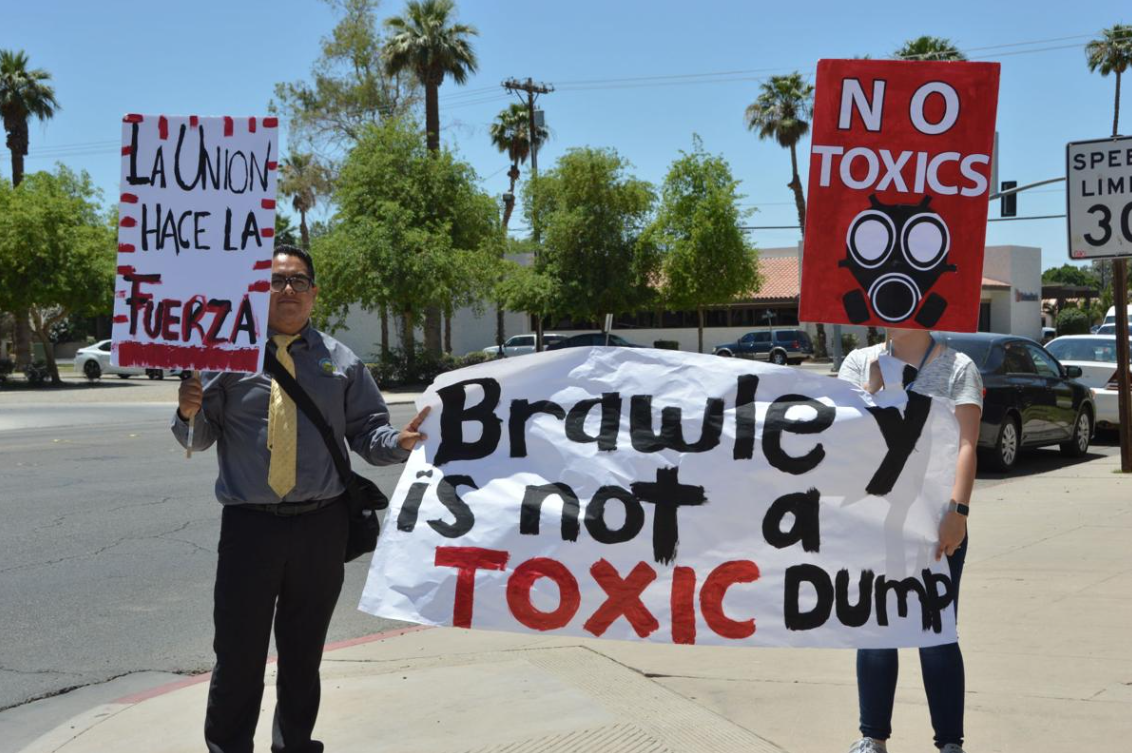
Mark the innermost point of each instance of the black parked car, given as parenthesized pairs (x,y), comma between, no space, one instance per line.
(1030,399)
(782,346)
(592,338)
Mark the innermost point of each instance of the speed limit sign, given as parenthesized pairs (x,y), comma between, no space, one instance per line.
(1098,198)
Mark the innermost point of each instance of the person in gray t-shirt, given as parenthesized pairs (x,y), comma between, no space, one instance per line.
(925,365)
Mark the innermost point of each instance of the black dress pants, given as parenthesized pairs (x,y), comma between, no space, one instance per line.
(289,568)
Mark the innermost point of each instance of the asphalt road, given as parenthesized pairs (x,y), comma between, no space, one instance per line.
(108,548)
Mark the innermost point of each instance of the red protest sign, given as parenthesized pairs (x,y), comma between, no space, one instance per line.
(897,203)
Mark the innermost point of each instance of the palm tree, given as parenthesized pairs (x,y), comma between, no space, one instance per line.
(427,43)
(1112,53)
(510,135)
(23,94)
(782,112)
(303,178)
(929,48)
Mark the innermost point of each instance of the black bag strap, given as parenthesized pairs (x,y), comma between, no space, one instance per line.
(306,405)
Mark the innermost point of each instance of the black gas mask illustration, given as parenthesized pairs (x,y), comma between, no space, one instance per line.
(896,252)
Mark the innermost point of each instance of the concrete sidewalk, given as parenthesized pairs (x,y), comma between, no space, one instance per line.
(1047,604)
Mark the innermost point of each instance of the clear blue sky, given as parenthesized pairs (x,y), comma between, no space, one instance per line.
(214,58)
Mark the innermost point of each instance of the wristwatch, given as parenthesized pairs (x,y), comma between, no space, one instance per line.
(963,510)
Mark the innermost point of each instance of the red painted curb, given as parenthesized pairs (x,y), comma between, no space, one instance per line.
(145,695)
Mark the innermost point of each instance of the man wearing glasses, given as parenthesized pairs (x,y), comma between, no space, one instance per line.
(284,522)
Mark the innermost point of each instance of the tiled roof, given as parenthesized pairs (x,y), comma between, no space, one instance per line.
(779,279)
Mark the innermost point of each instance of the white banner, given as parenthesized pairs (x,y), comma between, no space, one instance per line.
(674,497)
(195,240)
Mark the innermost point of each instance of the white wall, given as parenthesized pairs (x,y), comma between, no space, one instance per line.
(1021,268)
(469,331)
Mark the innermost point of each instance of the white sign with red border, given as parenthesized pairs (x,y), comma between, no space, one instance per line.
(195,241)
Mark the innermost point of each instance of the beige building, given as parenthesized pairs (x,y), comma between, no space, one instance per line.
(1010,303)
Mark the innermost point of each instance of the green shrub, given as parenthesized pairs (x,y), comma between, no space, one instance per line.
(848,343)
(395,370)
(666,344)
(477,356)
(1072,321)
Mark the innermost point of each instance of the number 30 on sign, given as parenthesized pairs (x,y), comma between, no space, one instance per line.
(1099,198)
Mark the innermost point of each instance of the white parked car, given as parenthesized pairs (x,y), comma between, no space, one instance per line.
(1110,317)
(93,362)
(1096,356)
(517,345)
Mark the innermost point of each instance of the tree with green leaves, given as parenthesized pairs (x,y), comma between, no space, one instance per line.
(1071,274)
(57,251)
(782,112)
(595,245)
(427,42)
(284,230)
(510,134)
(413,230)
(526,287)
(1112,53)
(929,48)
(304,179)
(706,259)
(24,94)
(351,88)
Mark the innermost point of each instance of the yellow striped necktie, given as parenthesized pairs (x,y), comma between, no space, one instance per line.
(282,425)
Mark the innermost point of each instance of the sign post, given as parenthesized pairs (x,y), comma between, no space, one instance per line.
(1098,201)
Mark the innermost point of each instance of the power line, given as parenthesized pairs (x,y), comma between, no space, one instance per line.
(745,74)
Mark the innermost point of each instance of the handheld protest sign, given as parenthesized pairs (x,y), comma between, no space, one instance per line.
(644,494)
(897,201)
(195,242)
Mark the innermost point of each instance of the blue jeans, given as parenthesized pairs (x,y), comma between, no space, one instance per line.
(942,668)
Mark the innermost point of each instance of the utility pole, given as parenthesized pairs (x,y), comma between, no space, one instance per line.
(532,90)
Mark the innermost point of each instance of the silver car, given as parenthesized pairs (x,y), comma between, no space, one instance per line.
(517,345)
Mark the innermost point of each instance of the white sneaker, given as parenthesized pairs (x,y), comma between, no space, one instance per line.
(868,745)
(951,748)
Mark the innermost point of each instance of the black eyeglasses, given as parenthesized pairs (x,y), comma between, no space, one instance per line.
(298,283)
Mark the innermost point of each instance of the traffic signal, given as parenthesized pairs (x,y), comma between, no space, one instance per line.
(1010,200)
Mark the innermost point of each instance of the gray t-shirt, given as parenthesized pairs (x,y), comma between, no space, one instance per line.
(950,374)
